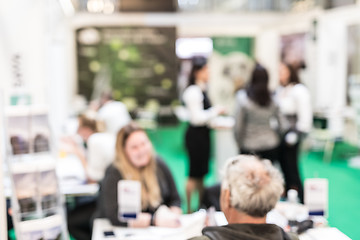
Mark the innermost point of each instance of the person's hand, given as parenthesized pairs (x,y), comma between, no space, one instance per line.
(69,145)
(176,210)
(166,217)
(292,138)
(142,220)
(220,110)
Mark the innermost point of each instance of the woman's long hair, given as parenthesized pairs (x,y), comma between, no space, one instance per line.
(197,64)
(257,89)
(293,78)
(150,190)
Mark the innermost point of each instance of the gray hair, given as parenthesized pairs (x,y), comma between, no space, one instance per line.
(255,185)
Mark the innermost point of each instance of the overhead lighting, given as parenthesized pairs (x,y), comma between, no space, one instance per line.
(109,7)
(95,6)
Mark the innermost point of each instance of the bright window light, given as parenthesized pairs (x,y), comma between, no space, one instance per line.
(189,47)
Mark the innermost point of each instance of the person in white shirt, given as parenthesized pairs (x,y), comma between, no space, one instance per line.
(295,104)
(113,115)
(197,139)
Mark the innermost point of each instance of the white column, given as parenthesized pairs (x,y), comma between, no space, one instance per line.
(3,223)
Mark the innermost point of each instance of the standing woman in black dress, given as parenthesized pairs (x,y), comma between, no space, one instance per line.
(197,137)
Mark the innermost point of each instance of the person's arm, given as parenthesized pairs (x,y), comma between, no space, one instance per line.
(282,125)
(303,108)
(239,121)
(173,200)
(193,99)
(109,195)
(101,153)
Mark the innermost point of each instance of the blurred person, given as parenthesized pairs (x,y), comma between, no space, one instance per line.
(111,117)
(84,207)
(135,160)
(295,104)
(257,118)
(113,114)
(98,153)
(197,138)
(250,189)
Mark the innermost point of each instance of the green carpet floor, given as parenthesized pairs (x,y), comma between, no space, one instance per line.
(344,182)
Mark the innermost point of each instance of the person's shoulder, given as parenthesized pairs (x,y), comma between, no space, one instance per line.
(111,169)
(242,97)
(160,162)
(241,94)
(117,104)
(300,89)
(101,138)
(200,238)
(112,172)
(192,91)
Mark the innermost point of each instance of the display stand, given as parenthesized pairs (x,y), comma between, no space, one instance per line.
(3,223)
(36,202)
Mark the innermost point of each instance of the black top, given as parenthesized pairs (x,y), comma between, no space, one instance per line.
(206,101)
(107,206)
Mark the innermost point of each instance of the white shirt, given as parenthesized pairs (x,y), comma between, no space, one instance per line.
(295,100)
(193,99)
(101,153)
(115,116)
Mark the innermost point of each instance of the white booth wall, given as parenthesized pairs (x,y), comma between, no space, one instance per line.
(49,65)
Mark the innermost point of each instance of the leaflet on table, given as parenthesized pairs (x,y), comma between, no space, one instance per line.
(191,226)
(316,196)
(129,199)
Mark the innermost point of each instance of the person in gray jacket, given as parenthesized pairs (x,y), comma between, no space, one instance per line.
(257,119)
(250,189)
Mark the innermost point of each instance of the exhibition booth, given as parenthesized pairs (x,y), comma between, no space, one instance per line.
(57,60)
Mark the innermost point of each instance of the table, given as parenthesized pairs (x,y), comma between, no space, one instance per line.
(192,224)
(328,233)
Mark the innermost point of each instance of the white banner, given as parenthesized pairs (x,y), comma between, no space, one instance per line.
(22,44)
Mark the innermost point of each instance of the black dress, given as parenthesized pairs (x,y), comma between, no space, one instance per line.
(197,142)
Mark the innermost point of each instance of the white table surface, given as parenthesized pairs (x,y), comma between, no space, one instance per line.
(192,225)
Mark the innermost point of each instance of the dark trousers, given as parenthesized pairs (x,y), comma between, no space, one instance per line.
(271,154)
(211,197)
(79,220)
(288,158)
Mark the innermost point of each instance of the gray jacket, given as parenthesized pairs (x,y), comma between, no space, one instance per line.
(256,128)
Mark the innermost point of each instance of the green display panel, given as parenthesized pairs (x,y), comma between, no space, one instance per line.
(137,63)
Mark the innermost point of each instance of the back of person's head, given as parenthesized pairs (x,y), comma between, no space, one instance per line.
(88,120)
(255,185)
(113,116)
(257,89)
(198,63)
(293,78)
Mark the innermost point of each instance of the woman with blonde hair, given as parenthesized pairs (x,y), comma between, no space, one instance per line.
(135,160)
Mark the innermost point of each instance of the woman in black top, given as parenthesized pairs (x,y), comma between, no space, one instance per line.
(135,160)
(197,137)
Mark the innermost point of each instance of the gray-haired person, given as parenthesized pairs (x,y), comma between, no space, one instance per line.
(250,189)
